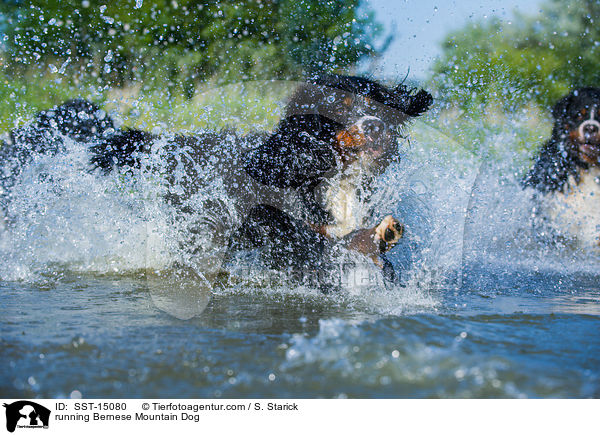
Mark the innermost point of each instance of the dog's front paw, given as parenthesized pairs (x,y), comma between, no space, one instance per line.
(387,233)
(376,241)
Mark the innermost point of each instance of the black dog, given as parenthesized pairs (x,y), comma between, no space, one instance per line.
(297,189)
(567,170)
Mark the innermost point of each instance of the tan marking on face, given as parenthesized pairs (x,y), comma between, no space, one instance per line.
(351,138)
(574,135)
(589,154)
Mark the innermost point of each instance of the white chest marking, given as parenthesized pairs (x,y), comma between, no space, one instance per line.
(344,198)
(577,211)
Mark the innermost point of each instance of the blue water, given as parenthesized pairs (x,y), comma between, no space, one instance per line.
(104,337)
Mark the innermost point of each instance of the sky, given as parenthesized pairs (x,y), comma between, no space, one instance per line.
(419,27)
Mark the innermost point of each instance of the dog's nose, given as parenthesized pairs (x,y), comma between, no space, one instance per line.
(590,129)
(373,126)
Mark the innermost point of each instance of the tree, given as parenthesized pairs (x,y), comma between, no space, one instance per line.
(184,42)
(529,59)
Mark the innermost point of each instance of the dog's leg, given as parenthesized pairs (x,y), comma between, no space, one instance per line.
(291,241)
(286,243)
(375,242)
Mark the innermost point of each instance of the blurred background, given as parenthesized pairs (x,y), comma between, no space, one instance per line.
(153,63)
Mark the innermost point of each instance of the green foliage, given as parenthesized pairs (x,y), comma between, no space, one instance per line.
(164,52)
(536,58)
(244,105)
(179,43)
(24,95)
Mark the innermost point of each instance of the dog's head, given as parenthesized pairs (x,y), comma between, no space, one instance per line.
(577,123)
(362,119)
(331,119)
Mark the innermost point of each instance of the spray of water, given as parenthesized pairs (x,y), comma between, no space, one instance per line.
(463,214)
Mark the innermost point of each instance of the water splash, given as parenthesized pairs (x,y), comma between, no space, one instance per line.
(461,215)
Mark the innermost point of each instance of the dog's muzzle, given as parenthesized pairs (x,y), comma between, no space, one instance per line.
(587,141)
(589,131)
(367,133)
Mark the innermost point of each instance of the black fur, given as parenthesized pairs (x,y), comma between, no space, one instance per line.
(77,119)
(121,149)
(556,160)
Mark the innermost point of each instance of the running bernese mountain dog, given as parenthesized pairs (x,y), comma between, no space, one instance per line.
(299,190)
(567,170)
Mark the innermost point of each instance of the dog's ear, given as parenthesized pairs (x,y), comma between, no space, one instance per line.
(420,102)
(414,104)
